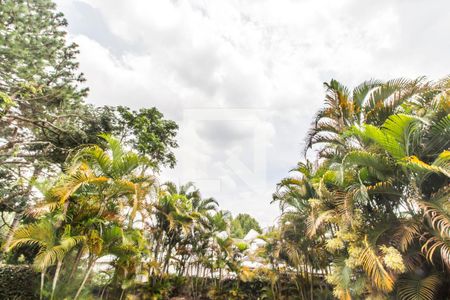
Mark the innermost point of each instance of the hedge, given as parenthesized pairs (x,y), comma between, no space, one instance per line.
(18,282)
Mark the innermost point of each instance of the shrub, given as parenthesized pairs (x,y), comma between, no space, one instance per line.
(18,282)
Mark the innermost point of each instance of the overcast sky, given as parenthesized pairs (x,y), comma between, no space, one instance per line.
(243,79)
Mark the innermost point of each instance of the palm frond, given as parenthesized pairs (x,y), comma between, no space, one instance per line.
(406,233)
(384,187)
(438,137)
(316,220)
(377,163)
(440,244)
(37,234)
(410,288)
(361,92)
(374,267)
(438,216)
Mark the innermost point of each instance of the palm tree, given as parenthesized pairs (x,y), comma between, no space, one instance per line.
(125,171)
(52,247)
(372,102)
(98,245)
(378,192)
(99,186)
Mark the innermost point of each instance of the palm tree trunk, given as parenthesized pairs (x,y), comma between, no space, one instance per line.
(103,291)
(75,263)
(167,260)
(55,278)
(197,275)
(42,284)
(86,276)
(121,294)
(311,283)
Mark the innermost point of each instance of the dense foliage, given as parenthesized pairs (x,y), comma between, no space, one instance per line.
(371,212)
(18,282)
(73,198)
(366,216)
(43,117)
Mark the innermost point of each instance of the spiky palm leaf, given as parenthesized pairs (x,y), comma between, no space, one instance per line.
(373,265)
(406,232)
(410,288)
(437,244)
(316,220)
(438,137)
(43,235)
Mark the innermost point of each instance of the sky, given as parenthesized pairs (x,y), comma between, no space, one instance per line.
(243,78)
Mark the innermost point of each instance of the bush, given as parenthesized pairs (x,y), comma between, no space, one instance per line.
(18,282)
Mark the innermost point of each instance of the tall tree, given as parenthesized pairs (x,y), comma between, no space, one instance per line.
(43,117)
(242,224)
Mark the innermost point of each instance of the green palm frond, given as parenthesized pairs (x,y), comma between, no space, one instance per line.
(410,288)
(361,92)
(438,137)
(113,234)
(72,182)
(114,145)
(377,164)
(113,162)
(95,154)
(403,128)
(49,256)
(379,137)
(384,187)
(398,135)
(43,235)
(40,234)
(387,98)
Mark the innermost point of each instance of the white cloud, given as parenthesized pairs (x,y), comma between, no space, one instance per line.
(268,56)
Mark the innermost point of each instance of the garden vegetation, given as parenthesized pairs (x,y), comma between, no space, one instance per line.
(364,215)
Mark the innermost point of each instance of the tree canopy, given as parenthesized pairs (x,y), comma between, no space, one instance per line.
(242,224)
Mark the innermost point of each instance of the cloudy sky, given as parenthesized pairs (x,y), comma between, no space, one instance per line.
(244,78)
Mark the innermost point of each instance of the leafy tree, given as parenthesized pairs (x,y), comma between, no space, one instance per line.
(43,117)
(149,134)
(41,94)
(242,224)
(84,202)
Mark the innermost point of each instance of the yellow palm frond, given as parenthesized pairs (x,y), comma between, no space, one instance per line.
(414,163)
(405,233)
(374,267)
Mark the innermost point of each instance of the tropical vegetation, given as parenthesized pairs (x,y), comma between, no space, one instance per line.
(370,213)
(364,215)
